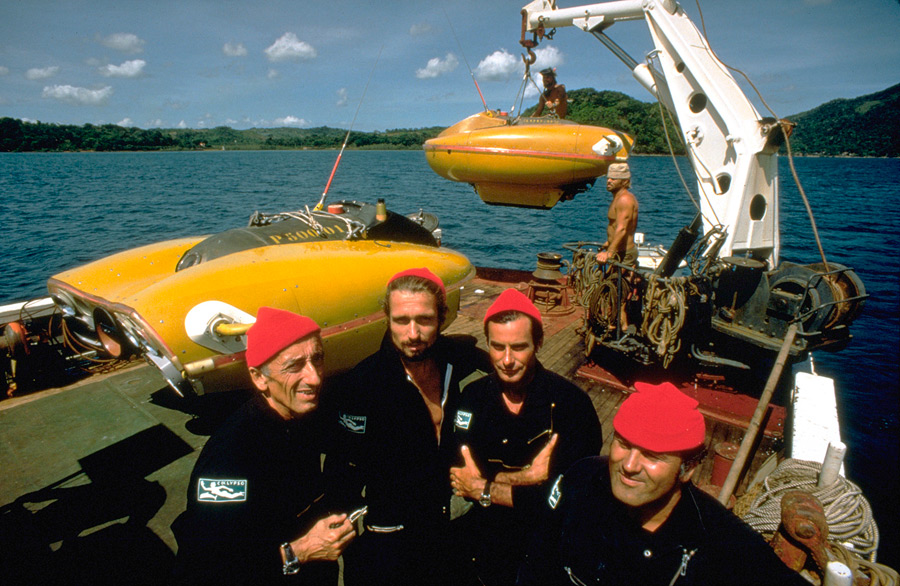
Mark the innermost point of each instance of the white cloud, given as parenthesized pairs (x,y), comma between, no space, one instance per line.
(155,123)
(78,95)
(289,47)
(125,42)
(437,67)
(547,57)
(291,121)
(498,66)
(42,73)
(234,49)
(420,29)
(182,124)
(4,70)
(342,97)
(127,69)
(273,74)
(125,122)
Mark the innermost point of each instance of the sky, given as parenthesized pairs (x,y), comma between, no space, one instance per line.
(392,64)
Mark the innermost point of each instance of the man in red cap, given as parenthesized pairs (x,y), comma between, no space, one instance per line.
(393,415)
(518,429)
(635,518)
(255,510)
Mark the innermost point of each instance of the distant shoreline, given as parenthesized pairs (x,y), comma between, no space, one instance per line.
(375,149)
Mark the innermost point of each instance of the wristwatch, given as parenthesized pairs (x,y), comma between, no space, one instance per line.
(291,563)
(485,500)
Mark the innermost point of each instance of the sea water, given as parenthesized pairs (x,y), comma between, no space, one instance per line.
(61,210)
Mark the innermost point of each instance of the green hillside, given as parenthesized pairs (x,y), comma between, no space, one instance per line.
(866,126)
(621,112)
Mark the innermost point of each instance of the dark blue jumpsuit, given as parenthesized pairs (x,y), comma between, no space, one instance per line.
(588,537)
(257,484)
(383,440)
(501,441)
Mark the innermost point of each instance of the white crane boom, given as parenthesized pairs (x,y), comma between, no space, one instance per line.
(732,149)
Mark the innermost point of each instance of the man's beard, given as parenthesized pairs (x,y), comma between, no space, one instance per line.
(421,356)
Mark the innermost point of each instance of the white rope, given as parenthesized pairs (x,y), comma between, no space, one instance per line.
(849,515)
(308,217)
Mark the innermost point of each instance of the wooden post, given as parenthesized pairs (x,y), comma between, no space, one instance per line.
(753,428)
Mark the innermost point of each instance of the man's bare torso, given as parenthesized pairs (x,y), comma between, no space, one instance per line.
(626,199)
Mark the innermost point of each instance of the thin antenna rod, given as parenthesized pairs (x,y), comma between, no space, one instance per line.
(466,61)
(321,203)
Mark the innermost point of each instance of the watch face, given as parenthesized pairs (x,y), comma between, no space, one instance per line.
(485,500)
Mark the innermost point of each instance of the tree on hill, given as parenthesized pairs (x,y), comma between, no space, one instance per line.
(618,111)
(867,126)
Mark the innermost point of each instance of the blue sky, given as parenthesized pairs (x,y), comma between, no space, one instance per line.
(206,63)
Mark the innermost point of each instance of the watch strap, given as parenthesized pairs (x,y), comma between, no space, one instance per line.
(291,563)
(485,500)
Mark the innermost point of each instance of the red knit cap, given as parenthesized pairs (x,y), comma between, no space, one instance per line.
(660,418)
(423,273)
(513,300)
(275,330)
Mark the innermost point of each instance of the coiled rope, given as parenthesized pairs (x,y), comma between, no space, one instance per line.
(849,515)
(878,574)
(664,313)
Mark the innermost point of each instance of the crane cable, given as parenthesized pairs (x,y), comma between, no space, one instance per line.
(784,131)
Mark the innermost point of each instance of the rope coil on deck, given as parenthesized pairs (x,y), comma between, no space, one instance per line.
(847,511)
(664,315)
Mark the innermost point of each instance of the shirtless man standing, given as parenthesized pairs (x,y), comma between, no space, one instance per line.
(623,216)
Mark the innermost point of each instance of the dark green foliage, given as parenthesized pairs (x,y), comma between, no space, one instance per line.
(19,136)
(621,112)
(865,126)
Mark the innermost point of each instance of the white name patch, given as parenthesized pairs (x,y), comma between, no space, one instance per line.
(463,419)
(221,491)
(353,423)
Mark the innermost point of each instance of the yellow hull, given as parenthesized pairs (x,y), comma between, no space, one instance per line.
(533,162)
(338,283)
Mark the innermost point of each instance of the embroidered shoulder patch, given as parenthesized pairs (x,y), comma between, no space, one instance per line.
(221,491)
(353,423)
(555,493)
(463,419)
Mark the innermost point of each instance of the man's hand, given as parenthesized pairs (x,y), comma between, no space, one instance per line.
(603,252)
(540,466)
(467,480)
(326,540)
(536,472)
